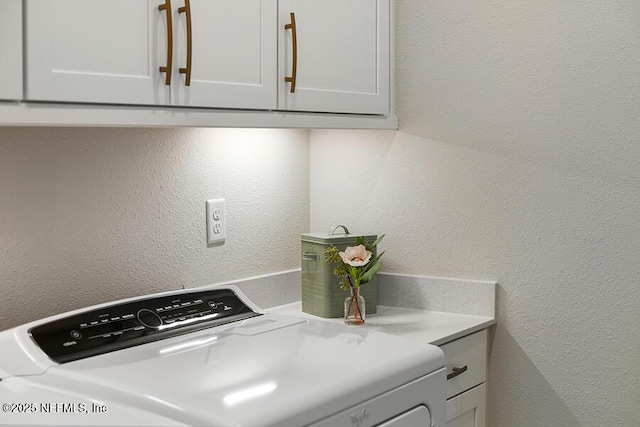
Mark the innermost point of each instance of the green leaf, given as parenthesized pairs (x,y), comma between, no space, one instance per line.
(359,240)
(371,263)
(353,271)
(378,240)
(372,272)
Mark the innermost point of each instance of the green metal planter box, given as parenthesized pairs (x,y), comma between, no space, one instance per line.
(321,292)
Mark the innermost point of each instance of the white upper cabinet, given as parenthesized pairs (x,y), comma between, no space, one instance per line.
(232,49)
(96,51)
(10,49)
(338,53)
(112,52)
(231,63)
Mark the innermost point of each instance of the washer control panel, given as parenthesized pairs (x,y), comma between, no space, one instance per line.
(128,324)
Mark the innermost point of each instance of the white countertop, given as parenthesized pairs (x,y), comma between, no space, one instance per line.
(435,327)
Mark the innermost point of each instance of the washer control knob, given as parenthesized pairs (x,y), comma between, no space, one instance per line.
(149,319)
(76,335)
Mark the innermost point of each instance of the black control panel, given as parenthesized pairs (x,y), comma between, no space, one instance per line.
(124,325)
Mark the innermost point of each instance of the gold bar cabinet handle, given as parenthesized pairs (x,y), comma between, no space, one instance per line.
(186,9)
(167,70)
(294,36)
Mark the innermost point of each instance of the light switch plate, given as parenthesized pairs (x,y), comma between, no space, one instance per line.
(216,221)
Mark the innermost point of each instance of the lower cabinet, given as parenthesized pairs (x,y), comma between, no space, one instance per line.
(468,409)
(466,361)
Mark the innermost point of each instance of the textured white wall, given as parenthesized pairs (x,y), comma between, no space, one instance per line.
(91,215)
(517,160)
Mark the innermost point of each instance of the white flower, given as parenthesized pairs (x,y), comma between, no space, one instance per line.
(356,256)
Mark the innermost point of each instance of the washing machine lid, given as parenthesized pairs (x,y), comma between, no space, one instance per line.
(269,370)
(204,357)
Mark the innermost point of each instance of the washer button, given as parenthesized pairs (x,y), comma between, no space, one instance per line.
(76,335)
(149,319)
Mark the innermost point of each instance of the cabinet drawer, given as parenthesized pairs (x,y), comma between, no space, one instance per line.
(466,357)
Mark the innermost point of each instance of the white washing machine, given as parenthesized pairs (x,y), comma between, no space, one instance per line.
(210,357)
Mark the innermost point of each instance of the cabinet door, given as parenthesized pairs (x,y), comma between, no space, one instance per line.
(343,56)
(468,409)
(96,51)
(233,54)
(11,49)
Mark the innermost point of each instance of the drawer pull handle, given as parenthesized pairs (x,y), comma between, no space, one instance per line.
(167,70)
(456,372)
(294,68)
(310,256)
(187,70)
